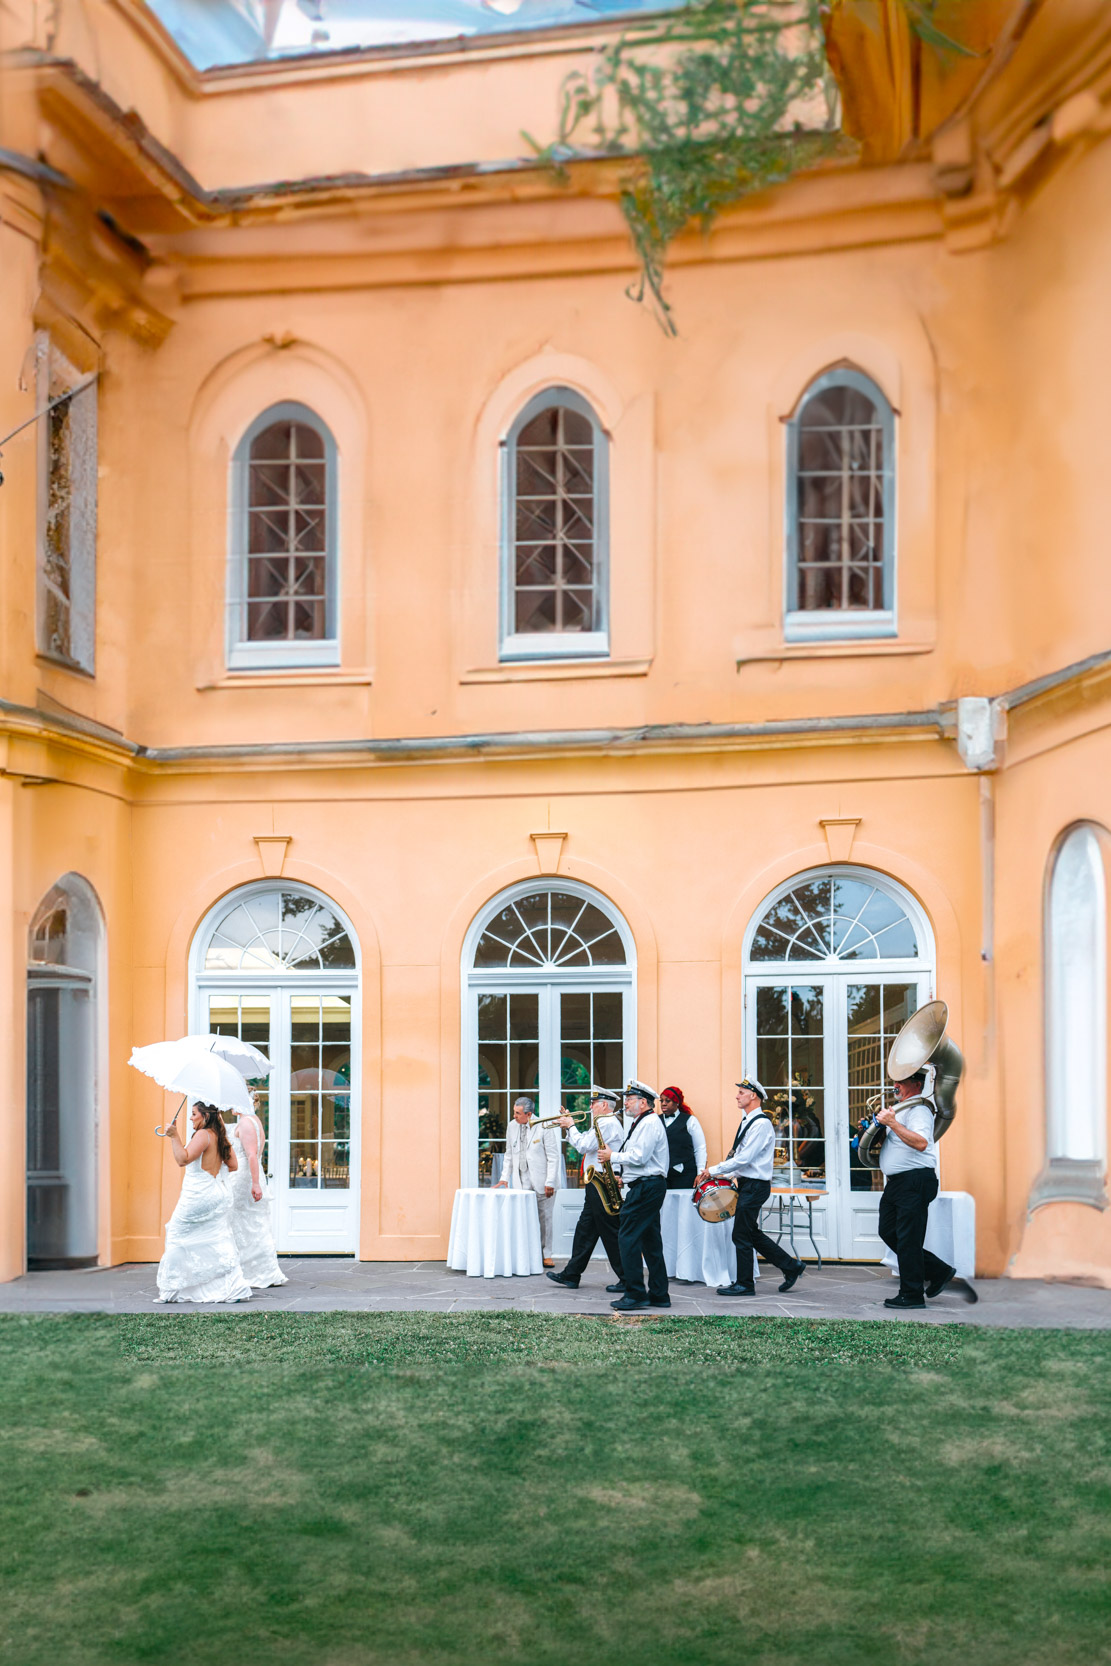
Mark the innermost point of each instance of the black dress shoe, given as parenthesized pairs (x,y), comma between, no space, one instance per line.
(615,1289)
(937,1285)
(665,1301)
(628,1305)
(558,1278)
(905,1301)
(736,1289)
(792,1276)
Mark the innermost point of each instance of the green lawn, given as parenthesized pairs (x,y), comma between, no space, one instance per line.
(407,1489)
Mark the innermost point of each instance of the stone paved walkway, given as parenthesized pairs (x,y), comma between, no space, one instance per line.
(320,1284)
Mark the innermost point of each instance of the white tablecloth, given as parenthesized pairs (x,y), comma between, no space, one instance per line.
(494,1233)
(694,1249)
(950,1233)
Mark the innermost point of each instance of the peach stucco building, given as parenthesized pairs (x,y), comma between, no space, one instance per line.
(412,657)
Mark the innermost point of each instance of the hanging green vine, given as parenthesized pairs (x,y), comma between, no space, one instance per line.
(709,103)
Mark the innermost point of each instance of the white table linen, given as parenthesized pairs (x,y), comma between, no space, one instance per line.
(950,1233)
(700,1251)
(494,1234)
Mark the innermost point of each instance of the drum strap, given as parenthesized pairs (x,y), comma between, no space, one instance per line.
(744,1128)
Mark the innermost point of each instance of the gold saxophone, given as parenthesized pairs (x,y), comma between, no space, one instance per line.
(603,1178)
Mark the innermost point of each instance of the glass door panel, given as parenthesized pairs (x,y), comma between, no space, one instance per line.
(591,1051)
(875,1012)
(790,1062)
(319,1092)
(246,1016)
(508,1032)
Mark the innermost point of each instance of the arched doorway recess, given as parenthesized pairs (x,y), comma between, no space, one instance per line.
(836,960)
(549,1006)
(277,965)
(64,953)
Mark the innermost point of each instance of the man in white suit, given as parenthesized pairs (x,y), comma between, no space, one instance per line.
(532,1157)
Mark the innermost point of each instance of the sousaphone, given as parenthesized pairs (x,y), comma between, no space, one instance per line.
(922,1041)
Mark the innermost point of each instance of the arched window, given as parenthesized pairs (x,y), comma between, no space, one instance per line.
(549,983)
(554,534)
(1075,1022)
(836,961)
(841,510)
(276,965)
(63,1069)
(283,601)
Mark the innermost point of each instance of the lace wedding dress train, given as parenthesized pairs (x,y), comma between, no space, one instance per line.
(201,1263)
(250,1221)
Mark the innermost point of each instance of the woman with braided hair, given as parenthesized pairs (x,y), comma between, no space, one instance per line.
(201,1263)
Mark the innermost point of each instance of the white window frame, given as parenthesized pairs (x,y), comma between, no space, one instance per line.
(242,654)
(837,624)
(542,980)
(1075,994)
(54,377)
(526,645)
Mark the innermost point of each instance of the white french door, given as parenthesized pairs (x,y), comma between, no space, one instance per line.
(308,1028)
(820,1045)
(547,1038)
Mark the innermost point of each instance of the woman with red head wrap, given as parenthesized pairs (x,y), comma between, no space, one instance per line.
(686,1142)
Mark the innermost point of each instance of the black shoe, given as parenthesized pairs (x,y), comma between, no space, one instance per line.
(558,1278)
(615,1289)
(937,1285)
(736,1289)
(664,1301)
(628,1305)
(790,1278)
(905,1301)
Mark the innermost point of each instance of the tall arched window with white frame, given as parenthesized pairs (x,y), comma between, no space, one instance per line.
(283,601)
(841,510)
(555,535)
(1075,1022)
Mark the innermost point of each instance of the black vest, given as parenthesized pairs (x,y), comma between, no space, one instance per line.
(680,1147)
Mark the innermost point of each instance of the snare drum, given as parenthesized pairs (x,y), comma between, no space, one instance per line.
(715,1199)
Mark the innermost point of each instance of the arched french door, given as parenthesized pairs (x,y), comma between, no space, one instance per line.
(276,965)
(549,1004)
(836,961)
(63,1068)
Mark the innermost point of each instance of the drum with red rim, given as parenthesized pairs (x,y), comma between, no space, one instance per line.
(715,1199)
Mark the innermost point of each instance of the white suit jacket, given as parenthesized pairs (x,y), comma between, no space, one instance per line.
(531,1157)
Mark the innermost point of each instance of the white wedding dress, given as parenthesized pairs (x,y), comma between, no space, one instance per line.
(250,1221)
(201,1263)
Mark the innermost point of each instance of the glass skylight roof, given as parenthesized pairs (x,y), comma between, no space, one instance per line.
(223,32)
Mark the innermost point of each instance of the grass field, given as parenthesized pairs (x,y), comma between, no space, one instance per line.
(406,1489)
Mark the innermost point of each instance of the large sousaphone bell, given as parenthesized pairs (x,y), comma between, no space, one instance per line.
(921,1041)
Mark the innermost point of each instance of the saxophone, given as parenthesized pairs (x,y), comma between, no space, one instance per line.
(604,1179)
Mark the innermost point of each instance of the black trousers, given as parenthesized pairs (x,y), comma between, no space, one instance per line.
(904,1207)
(640,1235)
(591,1225)
(751,1198)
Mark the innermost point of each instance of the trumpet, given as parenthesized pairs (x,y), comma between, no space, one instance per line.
(546,1121)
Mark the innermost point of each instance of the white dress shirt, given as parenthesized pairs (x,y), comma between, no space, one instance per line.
(694,1128)
(645,1152)
(896,1155)
(753,1151)
(531,1157)
(586,1142)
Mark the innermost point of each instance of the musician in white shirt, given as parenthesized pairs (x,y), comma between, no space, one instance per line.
(594,1222)
(908,1159)
(532,1158)
(642,1162)
(749,1163)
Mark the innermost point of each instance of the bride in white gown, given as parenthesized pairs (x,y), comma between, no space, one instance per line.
(201,1263)
(250,1213)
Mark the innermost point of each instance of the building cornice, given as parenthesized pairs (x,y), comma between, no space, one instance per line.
(31,734)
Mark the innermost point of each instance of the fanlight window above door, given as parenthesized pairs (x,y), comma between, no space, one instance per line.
(549,928)
(279,931)
(835,918)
